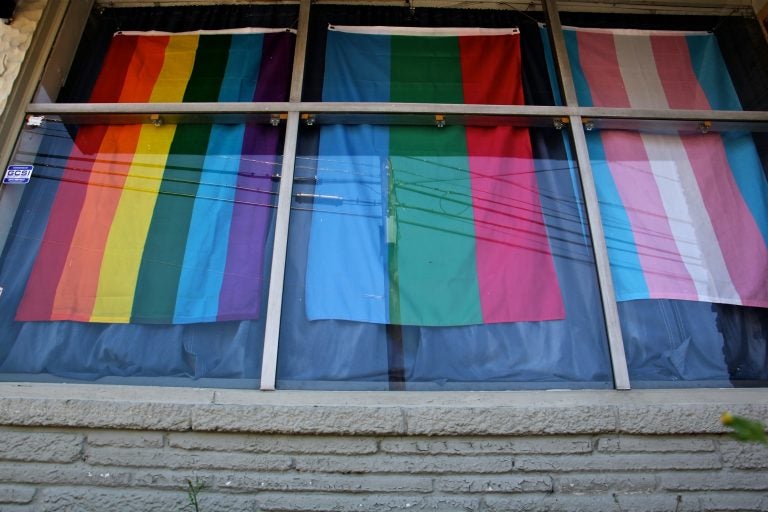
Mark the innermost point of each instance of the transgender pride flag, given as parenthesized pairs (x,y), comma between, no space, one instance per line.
(166,224)
(419,225)
(685,215)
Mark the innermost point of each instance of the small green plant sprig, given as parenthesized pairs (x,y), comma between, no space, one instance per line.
(193,489)
(744,429)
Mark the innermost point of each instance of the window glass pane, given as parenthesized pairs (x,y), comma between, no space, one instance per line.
(138,250)
(660,62)
(527,59)
(686,222)
(412,264)
(134,64)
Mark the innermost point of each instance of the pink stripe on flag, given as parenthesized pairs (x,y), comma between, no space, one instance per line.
(731,218)
(512,249)
(665,272)
(673,63)
(597,55)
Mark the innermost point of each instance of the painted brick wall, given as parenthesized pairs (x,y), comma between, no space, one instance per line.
(14,41)
(96,470)
(98,448)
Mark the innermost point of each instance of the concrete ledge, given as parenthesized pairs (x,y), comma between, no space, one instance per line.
(689,411)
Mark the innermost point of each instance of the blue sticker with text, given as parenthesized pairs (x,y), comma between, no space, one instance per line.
(16,174)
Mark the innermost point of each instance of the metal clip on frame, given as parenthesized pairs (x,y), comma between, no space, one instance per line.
(275,119)
(560,122)
(309,119)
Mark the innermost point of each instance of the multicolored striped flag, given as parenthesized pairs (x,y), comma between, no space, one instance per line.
(420,225)
(685,215)
(166,224)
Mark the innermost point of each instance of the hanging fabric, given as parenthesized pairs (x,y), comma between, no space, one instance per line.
(166,224)
(686,214)
(431,226)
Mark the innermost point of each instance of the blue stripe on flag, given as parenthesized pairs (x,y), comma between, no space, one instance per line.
(346,268)
(628,279)
(201,279)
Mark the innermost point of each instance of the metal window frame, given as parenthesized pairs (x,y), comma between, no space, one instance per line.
(58,35)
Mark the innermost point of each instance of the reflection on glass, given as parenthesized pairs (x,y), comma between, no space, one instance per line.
(138,250)
(436,256)
(686,222)
(414,266)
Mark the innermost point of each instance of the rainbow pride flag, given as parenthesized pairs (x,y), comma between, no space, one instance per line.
(166,224)
(420,225)
(685,215)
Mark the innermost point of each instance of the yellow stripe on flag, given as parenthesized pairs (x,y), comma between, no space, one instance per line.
(127,235)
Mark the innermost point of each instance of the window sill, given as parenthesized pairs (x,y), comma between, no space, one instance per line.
(690,411)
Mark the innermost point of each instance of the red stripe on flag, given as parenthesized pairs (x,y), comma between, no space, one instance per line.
(515,269)
(37,302)
(115,83)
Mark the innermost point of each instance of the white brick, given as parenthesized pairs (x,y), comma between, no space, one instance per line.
(16,494)
(604,482)
(725,501)
(460,446)
(646,444)
(625,462)
(549,503)
(69,474)
(512,484)
(337,420)
(265,482)
(368,503)
(405,464)
(680,417)
(272,444)
(142,457)
(95,414)
(159,479)
(39,446)
(648,502)
(125,439)
(741,455)
(510,420)
(713,481)
(118,500)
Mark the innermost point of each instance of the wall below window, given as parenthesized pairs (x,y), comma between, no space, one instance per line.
(71,447)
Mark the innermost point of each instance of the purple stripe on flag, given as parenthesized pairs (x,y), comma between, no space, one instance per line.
(240,295)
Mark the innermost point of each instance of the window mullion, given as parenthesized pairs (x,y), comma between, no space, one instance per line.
(607,294)
(279,250)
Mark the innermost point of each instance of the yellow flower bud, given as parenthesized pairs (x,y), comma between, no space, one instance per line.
(726,418)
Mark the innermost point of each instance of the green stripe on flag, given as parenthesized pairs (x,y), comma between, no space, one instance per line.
(435,279)
(163,257)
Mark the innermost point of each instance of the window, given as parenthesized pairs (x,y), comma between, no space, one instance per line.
(430,210)
(145,240)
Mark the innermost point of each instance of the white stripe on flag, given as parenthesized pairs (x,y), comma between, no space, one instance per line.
(688,219)
(638,71)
